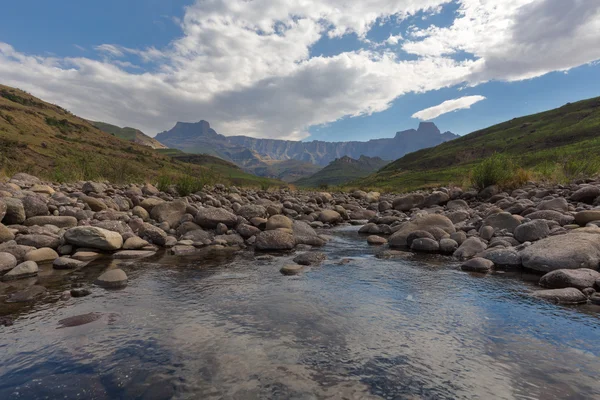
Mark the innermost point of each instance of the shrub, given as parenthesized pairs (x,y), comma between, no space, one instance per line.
(188,184)
(164,182)
(495,170)
(580,167)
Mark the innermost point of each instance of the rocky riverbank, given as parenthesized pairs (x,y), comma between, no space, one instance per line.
(552,230)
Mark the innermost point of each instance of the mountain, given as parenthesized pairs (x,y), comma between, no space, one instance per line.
(547,144)
(201,138)
(129,134)
(343,170)
(48,141)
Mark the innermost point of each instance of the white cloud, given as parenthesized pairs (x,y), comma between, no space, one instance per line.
(246,66)
(447,106)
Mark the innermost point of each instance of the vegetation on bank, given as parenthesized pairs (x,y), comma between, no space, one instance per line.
(48,141)
(559,145)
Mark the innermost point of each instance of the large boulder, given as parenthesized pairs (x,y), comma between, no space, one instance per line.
(209,218)
(408,202)
(469,248)
(61,222)
(550,215)
(435,199)
(502,221)
(278,239)
(305,234)
(34,206)
(15,212)
(250,211)
(558,204)
(170,212)
(506,257)
(94,237)
(330,216)
(278,221)
(571,251)
(586,194)
(563,278)
(421,223)
(532,231)
(584,217)
(562,296)
(153,234)
(44,254)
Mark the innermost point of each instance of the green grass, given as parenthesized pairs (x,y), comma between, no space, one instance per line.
(560,145)
(342,171)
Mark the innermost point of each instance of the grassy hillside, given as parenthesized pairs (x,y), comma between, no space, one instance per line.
(129,134)
(48,141)
(287,170)
(551,144)
(342,170)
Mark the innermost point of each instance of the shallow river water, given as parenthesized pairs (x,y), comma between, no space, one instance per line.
(404,328)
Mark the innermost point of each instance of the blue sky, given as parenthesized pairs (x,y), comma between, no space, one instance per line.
(276,68)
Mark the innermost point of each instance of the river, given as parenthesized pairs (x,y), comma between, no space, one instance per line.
(355,327)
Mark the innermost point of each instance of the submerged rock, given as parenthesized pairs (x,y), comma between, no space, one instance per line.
(562,296)
(26,269)
(291,269)
(112,279)
(563,278)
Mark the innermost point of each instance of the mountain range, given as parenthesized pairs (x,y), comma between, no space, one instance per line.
(256,155)
(343,170)
(130,134)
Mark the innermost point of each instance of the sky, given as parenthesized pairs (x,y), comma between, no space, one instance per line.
(331,70)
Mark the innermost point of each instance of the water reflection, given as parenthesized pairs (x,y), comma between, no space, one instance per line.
(370,328)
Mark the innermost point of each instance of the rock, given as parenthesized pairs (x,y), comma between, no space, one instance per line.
(15,249)
(153,234)
(95,187)
(459,237)
(376,240)
(469,248)
(571,251)
(506,257)
(5,234)
(43,189)
(27,295)
(250,211)
(532,231)
(61,222)
(477,264)
(435,199)
(448,246)
(310,258)
(291,269)
(595,299)
(94,203)
(135,243)
(7,262)
(278,239)
(94,237)
(209,218)
(564,278)
(558,204)
(67,263)
(421,223)
(562,296)
(502,220)
(247,231)
(86,255)
(425,245)
(586,194)
(133,254)
(34,206)
(278,221)
(41,255)
(38,241)
(584,217)
(455,205)
(329,217)
(418,235)
(80,292)
(170,212)
(141,212)
(26,269)
(2,209)
(362,214)
(112,279)
(408,202)
(305,234)
(562,219)
(151,202)
(15,212)
(486,232)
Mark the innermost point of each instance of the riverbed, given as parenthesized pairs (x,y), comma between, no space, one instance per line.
(355,327)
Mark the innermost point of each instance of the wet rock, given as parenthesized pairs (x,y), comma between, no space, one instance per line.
(83,255)
(469,248)
(209,218)
(305,234)
(278,239)
(532,231)
(291,269)
(26,269)
(94,237)
(310,258)
(7,262)
(425,245)
(44,254)
(27,295)
(571,251)
(376,240)
(477,264)
(80,292)
(562,296)
(112,279)
(278,221)
(563,278)
(68,263)
(422,223)
(59,221)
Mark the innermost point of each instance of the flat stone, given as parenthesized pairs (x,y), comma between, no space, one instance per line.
(94,237)
(59,221)
(291,269)
(564,278)
(112,279)
(41,255)
(135,243)
(562,296)
(68,263)
(477,264)
(132,254)
(86,255)
(584,217)
(310,258)
(26,269)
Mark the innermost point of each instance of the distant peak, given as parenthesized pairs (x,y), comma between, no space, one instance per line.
(428,127)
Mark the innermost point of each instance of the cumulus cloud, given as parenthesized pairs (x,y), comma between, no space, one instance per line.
(247,66)
(447,106)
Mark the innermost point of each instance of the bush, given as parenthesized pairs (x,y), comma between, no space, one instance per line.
(164,182)
(580,167)
(188,184)
(495,170)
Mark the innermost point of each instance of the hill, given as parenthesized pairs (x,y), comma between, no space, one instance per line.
(201,138)
(343,170)
(48,141)
(548,144)
(129,134)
